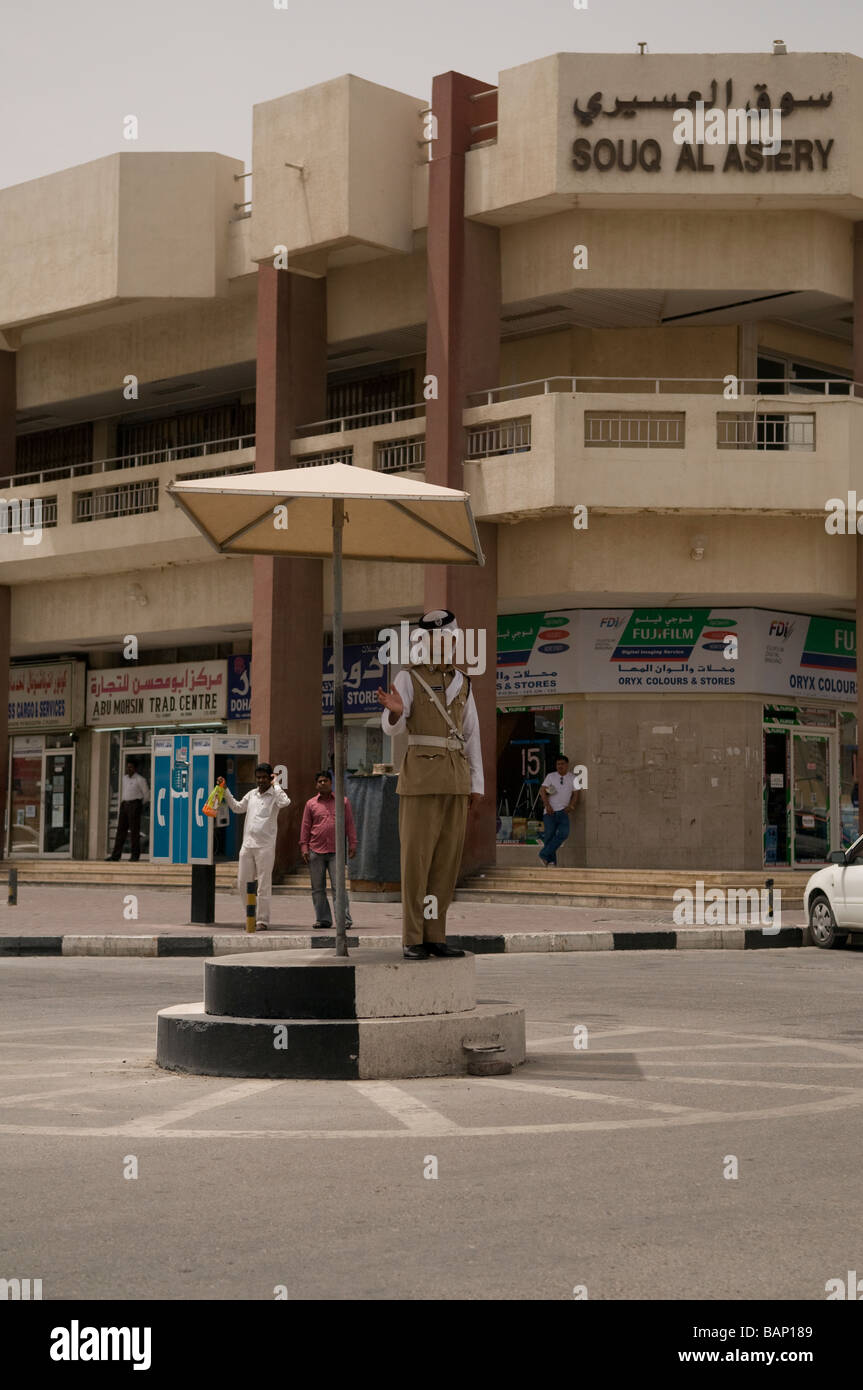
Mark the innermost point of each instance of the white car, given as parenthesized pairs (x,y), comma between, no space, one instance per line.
(833,898)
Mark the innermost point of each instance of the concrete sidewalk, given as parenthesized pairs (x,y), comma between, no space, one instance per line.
(106,921)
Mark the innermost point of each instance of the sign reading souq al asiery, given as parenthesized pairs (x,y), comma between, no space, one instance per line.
(705,138)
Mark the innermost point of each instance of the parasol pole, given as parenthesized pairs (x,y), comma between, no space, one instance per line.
(339,725)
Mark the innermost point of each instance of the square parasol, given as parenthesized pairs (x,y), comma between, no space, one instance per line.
(339,511)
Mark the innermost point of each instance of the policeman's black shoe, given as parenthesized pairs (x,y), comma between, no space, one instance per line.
(440,948)
(416,952)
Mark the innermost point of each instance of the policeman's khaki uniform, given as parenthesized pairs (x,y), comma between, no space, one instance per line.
(438,774)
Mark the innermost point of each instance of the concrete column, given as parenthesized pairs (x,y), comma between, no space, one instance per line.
(8,403)
(287,605)
(97,793)
(5,631)
(747,356)
(104,439)
(463,352)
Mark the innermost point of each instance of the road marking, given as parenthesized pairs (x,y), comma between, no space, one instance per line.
(594,1033)
(138,1059)
(74,1028)
(468,1132)
(154,1124)
(85,1089)
(68,1047)
(567,1094)
(781,1066)
(710,1081)
(414,1114)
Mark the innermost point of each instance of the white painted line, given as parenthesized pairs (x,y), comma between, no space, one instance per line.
(472,1132)
(564,1093)
(136,1061)
(414,1114)
(604,1033)
(154,1124)
(779,1066)
(772,1085)
(68,1047)
(87,1089)
(73,1028)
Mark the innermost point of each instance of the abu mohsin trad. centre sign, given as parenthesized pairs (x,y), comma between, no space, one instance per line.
(715,145)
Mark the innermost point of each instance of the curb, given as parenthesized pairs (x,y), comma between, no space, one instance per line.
(688,938)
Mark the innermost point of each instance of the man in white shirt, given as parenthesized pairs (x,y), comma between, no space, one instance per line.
(558,798)
(261,806)
(134,795)
(440,779)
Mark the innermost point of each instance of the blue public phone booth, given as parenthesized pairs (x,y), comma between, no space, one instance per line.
(182,777)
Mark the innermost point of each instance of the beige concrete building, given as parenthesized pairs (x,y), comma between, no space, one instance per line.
(526,287)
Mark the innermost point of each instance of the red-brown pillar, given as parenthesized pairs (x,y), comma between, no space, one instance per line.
(287,611)
(5,633)
(463,352)
(858,391)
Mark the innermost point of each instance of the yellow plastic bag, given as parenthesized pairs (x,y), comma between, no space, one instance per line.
(214,800)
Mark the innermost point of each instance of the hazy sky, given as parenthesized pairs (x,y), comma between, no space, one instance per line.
(191,70)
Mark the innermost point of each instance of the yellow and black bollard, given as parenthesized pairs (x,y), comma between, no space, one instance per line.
(251,904)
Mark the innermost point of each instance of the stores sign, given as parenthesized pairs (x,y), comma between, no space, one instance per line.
(49,696)
(363,677)
(191,692)
(677,650)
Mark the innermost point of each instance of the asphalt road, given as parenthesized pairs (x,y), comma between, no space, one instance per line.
(600,1167)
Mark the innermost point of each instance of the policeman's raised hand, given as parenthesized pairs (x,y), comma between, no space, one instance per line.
(392,701)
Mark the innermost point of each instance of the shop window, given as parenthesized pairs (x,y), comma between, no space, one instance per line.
(849,796)
(528,742)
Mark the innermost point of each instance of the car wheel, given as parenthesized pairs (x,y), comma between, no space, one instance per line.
(822,924)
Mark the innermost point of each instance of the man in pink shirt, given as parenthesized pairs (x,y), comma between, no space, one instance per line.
(318,845)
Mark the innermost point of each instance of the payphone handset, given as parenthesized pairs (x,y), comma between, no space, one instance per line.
(180,772)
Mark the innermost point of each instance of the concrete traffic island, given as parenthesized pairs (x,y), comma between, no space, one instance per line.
(313,1015)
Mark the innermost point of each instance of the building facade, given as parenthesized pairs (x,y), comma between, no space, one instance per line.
(636,351)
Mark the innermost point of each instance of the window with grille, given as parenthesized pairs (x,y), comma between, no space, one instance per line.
(53,448)
(374,396)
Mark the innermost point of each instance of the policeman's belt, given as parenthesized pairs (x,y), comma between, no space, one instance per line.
(438,741)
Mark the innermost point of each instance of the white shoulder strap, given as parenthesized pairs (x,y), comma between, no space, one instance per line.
(436,702)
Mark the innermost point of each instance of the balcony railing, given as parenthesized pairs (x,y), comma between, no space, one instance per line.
(341,424)
(140,460)
(401,455)
(610,430)
(130,499)
(657,385)
(323,456)
(774,431)
(216,472)
(499,437)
